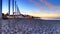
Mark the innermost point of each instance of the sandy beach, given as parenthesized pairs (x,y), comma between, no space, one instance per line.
(30,26)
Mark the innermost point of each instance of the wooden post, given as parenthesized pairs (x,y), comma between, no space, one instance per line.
(9,12)
(0,9)
(9,6)
(0,16)
(13,7)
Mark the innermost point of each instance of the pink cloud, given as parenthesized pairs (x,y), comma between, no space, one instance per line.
(45,2)
(42,0)
(36,4)
(31,0)
(49,4)
(58,11)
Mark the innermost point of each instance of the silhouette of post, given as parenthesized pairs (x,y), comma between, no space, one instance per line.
(13,7)
(9,6)
(9,11)
(17,9)
(0,16)
(0,9)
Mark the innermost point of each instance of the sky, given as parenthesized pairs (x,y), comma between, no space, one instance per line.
(40,8)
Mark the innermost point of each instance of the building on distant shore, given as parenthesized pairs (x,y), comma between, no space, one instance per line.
(18,16)
(5,16)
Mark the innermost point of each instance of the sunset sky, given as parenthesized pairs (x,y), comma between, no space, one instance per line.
(40,8)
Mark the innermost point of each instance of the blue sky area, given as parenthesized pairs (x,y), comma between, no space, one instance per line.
(40,8)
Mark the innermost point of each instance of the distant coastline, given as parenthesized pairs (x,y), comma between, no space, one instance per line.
(50,18)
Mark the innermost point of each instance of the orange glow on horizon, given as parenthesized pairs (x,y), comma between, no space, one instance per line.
(45,15)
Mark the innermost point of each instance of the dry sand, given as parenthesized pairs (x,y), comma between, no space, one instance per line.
(30,26)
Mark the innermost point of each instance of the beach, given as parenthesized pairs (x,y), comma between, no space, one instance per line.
(30,26)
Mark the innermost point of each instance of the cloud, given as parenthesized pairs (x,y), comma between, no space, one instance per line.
(31,0)
(45,2)
(45,15)
(49,4)
(57,11)
(36,3)
(42,0)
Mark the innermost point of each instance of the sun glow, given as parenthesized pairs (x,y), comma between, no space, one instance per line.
(45,15)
